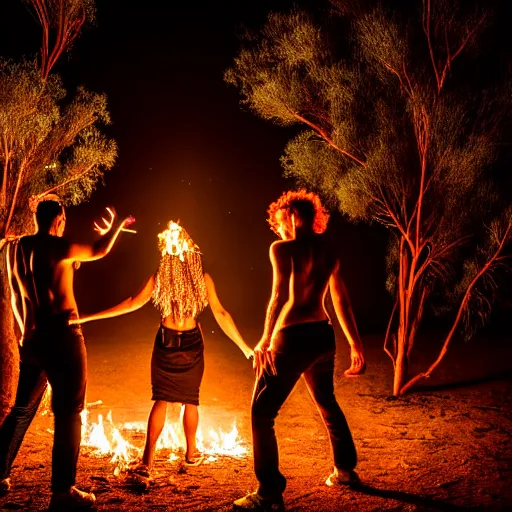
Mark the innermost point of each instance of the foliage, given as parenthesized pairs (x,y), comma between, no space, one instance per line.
(49,143)
(401,129)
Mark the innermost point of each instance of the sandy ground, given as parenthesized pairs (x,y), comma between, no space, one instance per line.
(447,447)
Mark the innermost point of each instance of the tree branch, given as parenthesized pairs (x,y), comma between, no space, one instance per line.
(462,307)
(14,199)
(324,136)
(426,29)
(64,183)
(450,58)
(388,331)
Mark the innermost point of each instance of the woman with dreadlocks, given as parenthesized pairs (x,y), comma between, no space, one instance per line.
(180,290)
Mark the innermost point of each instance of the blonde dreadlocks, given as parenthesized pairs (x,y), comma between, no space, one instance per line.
(180,289)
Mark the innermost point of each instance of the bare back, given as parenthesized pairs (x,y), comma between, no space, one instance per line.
(42,279)
(308,263)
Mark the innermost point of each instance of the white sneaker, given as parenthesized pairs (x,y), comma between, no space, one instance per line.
(5,486)
(72,499)
(343,477)
(253,501)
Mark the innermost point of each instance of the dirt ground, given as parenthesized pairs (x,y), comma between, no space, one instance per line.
(446,447)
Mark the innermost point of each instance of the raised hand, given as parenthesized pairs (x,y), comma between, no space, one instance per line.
(128,222)
(357,365)
(107,224)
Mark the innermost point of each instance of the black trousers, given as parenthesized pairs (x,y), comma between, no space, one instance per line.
(56,355)
(303,349)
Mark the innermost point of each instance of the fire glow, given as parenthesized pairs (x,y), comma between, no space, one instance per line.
(103,438)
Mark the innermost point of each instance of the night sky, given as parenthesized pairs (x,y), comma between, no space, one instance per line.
(188,151)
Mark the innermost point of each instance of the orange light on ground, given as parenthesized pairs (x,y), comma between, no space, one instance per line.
(103,438)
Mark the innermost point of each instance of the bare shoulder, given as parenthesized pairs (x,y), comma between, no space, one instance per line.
(48,243)
(61,246)
(280,248)
(280,245)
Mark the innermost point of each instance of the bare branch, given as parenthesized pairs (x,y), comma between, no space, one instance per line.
(324,136)
(388,332)
(462,308)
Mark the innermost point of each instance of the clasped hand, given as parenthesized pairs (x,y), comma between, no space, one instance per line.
(263,359)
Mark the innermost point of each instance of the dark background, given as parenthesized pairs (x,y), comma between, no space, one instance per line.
(188,150)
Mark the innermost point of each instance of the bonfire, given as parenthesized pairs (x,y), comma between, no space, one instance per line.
(122,443)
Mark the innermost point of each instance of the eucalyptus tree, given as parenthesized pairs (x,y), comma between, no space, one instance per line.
(402,124)
(51,143)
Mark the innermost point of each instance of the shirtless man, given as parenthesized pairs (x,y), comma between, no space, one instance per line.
(41,268)
(298,340)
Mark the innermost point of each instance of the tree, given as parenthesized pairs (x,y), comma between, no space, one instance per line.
(404,125)
(61,22)
(49,144)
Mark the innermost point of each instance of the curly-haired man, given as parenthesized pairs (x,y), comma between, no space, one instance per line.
(298,340)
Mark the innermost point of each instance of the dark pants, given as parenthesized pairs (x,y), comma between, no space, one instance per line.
(56,355)
(303,349)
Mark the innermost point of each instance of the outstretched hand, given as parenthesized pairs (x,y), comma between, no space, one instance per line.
(249,353)
(128,222)
(263,359)
(107,223)
(357,365)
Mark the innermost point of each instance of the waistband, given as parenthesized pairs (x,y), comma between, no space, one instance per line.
(187,332)
(52,334)
(307,337)
(50,319)
(174,339)
(307,326)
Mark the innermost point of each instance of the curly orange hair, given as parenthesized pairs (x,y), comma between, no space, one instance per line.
(306,205)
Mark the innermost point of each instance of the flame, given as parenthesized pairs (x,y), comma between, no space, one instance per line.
(107,441)
(103,438)
(173,241)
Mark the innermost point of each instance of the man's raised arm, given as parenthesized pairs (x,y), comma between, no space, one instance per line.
(91,252)
(347,321)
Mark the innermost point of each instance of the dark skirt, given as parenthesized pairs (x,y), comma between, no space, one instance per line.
(177,365)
